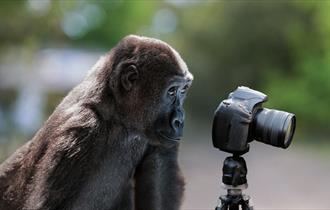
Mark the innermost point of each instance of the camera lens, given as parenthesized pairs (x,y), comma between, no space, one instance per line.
(273,127)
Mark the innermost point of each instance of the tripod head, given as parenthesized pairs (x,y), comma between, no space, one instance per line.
(234,171)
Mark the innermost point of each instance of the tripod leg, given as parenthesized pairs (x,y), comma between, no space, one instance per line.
(246,206)
(233,207)
(222,207)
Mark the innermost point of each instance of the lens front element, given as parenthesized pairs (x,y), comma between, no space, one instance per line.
(288,130)
(274,127)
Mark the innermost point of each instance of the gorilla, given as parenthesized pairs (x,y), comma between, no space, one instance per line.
(112,143)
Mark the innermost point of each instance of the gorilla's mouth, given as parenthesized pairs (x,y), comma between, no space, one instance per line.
(168,137)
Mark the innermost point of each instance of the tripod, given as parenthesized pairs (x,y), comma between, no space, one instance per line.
(234,181)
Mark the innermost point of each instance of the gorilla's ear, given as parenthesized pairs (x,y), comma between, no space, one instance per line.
(128,76)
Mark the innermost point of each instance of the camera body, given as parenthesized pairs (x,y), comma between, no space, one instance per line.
(240,119)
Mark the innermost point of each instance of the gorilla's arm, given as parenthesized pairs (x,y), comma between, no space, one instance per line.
(159,184)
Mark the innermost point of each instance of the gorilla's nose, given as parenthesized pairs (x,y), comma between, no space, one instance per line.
(177,120)
(177,123)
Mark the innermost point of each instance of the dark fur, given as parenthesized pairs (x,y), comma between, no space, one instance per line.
(94,151)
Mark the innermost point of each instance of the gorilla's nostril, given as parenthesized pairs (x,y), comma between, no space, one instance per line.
(177,124)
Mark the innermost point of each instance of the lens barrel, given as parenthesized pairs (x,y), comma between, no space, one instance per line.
(273,127)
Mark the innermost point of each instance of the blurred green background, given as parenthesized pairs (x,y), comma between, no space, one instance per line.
(281,48)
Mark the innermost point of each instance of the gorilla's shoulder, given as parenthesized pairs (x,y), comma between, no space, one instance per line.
(67,126)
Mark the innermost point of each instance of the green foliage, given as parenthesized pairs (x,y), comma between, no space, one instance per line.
(281,48)
(306,91)
(103,23)
(235,44)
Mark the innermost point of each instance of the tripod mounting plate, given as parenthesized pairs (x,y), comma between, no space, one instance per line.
(231,187)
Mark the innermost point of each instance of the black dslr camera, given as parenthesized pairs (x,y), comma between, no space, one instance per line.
(240,119)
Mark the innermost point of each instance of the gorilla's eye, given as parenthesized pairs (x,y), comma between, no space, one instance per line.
(172,91)
(184,89)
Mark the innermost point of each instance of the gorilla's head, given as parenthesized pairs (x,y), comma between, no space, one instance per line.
(149,81)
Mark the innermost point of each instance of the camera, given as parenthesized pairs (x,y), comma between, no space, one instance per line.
(241,119)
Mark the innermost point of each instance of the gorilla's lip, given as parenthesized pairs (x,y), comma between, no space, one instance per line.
(168,138)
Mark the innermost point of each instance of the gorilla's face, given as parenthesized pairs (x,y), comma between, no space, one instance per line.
(170,117)
(155,105)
